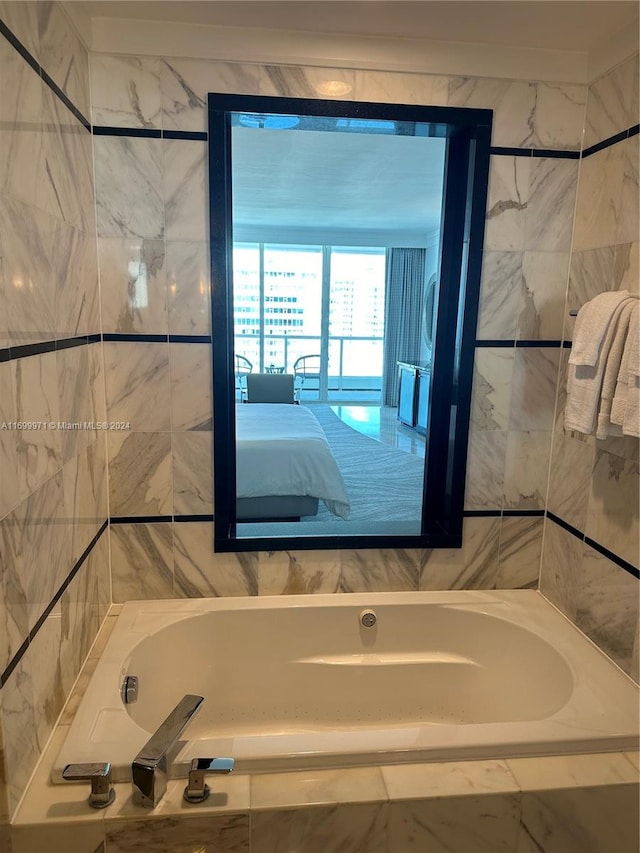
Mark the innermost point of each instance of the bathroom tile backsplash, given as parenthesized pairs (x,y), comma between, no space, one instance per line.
(53,486)
(149,212)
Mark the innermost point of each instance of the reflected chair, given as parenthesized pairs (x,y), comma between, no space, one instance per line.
(269,388)
(305,368)
(243,368)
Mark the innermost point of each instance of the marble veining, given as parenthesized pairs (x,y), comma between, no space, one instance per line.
(526,469)
(22,20)
(186,82)
(125,91)
(599,197)
(129,198)
(492,384)
(77,310)
(627,216)
(379,570)
(560,571)
(570,478)
(544,284)
(559,116)
(63,56)
(613,102)
(189,289)
(513,103)
(213,834)
(192,472)
(351,828)
(398,88)
(612,514)
(533,395)
(507,203)
(474,566)
(140,473)
(519,553)
(199,572)
(485,468)
(14,611)
(138,385)
(299,572)
(134,548)
(500,295)
(133,282)
(18,721)
(299,82)
(551,201)
(75,403)
(191,402)
(184,189)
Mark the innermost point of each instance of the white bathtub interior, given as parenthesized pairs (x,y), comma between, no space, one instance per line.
(296,683)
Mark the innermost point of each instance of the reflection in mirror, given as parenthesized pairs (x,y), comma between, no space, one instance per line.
(335,253)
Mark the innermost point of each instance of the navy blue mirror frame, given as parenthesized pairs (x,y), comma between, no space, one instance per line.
(462,234)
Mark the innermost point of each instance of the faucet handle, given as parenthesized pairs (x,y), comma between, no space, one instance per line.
(99,774)
(197,790)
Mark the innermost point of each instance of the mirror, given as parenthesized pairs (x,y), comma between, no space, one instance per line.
(345,257)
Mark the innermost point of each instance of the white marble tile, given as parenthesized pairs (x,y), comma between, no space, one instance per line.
(191,387)
(627,266)
(185,171)
(599,196)
(290,790)
(192,472)
(482,824)
(133,282)
(533,396)
(9,463)
(84,484)
(46,676)
(612,104)
(542,314)
(307,82)
(125,91)
(612,514)
(492,384)
(570,478)
(513,103)
(73,838)
(21,746)
(77,308)
(199,572)
(189,290)
(21,94)
(186,82)
(627,229)
(520,553)
(598,819)
(559,116)
(140,474)
(507,203)
(129,189)
(571,771)
(634,758)
(22,20)
(14,611)
(526,469)
(501,294)
(379,570)
(293,572)
(65,178)
(550,204)
(211,834)
(141,561)
(474,566)
(607,606)
(26,246)
(35,394)
(560,568)
(448,779)
(485,468)
(397,88)
(63,56)
(352,828)
(138,385)
(72,366)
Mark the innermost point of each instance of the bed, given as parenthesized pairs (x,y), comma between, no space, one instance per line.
(284,466)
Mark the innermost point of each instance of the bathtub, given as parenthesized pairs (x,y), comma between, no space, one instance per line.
(299,682)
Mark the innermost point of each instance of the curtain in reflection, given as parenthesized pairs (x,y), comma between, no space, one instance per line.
(403,315)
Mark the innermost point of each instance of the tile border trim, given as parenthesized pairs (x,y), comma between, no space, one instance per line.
(46,78)
(610,555)
(611,140)
(15,660)
(510,343)
(12,353)
(149,133)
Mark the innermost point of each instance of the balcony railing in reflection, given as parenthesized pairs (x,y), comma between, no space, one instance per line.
(355,362)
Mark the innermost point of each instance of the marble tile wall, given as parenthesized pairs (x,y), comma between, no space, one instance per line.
(53,487)
(593,484)
(154,277)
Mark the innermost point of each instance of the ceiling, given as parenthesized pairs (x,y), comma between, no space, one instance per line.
(356,189)
(576,25)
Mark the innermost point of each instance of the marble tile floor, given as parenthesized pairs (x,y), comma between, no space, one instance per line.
(382,424)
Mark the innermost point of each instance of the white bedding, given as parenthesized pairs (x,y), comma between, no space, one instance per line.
(281,449)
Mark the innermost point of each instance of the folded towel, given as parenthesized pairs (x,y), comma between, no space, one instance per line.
(592,324)
(613,369)
(629,366)
(631,425)
(584,381)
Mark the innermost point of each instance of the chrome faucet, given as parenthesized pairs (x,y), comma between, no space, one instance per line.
(149,770)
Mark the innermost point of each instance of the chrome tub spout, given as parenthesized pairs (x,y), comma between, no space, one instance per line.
(149,770)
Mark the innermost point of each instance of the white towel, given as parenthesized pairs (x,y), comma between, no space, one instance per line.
(584,381)
(592,324)
(629,366)
(613,368)
(631,423)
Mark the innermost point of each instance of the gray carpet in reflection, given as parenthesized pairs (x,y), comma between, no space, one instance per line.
(383,484)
